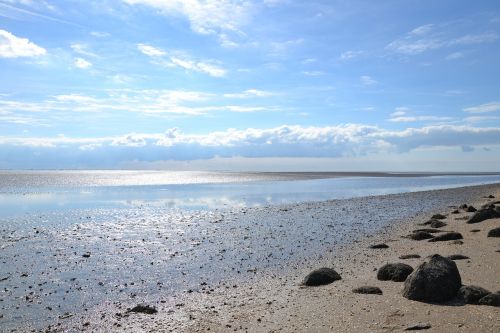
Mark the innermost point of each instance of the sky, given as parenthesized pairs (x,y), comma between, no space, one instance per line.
(274,85)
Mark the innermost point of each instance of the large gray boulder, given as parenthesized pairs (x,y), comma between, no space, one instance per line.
(321,277)
(437,280)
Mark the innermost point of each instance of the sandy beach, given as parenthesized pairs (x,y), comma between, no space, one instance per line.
(242,287)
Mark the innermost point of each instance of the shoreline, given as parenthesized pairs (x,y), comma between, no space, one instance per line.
(273,300)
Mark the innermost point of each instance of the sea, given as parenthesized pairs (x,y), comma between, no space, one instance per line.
(34,192)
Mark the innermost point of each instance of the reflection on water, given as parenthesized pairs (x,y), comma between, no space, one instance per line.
(27,200)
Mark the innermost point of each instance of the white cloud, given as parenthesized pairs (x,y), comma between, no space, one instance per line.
(367,80)
(249,93)
(82,49)
(180,59)
(483,108)
(205,17)
(422,30)
(454,56)
(409,119)
(13,47)
(82,63)
(151,50)
(424,39)
(474,39)
(313,73)
(348,55)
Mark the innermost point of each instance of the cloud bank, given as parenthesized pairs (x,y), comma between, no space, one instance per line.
(348,140)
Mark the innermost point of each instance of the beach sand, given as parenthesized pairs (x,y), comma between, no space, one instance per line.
(274,300)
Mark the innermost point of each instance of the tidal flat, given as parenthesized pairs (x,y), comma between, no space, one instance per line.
(219,270)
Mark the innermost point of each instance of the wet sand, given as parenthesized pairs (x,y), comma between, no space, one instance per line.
(250,278)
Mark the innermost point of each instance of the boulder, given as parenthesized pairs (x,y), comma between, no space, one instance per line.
(494,232)
(463,206)
(437,224)
(321,277)
(472,294)
(491,299)
(446,237)
(437,280)
(484,214)
(368,290)
(438,217)
(456,211)
(394,272)
(420,235)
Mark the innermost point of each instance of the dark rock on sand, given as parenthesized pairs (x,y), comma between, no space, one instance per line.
(457,242)
(394,272)
(446,237)
(321,277)
(472,294)
(475,230)
(432,231)
(420,235)
(471,209)
(438,217)
(418,327)
(484,214)
(437,224)
(368,290)
(379,246)
(458,257)
(463,206)
(409,256)
(491,300)
(491,196)
(434,281)
(494,232)
(141,308)
(456,211)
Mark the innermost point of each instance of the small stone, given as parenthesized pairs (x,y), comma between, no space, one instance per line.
(418,327)
(394,272)
(438,217)
(437,224)
(491,300)
(368,290)
(409,256)
(471,209)
(420,235)
(446,237)
(472,294)
(141,308)
(457,257)
(494,232)
(379,246)
(321,277)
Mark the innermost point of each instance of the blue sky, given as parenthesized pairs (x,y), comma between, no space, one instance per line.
(250,85)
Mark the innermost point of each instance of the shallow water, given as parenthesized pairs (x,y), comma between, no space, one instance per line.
(36,193)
